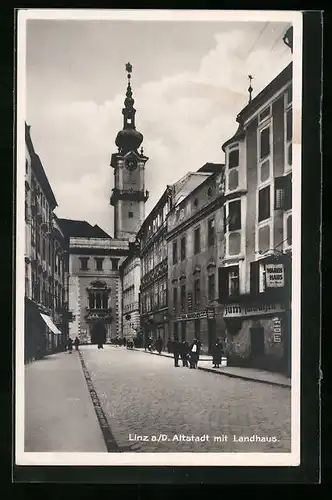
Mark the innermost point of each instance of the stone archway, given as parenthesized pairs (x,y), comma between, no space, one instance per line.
(98,333)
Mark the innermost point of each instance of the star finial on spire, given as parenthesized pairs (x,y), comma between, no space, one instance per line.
(250,89)
(129,69)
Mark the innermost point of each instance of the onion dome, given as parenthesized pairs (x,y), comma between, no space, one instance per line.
(128,139)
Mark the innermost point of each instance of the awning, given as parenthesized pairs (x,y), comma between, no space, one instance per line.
(50,324)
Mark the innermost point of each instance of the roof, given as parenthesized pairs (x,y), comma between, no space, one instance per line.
(81,229)
(277,83)
(211,168)
(39,171)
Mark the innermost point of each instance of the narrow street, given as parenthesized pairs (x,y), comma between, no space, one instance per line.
(151,406)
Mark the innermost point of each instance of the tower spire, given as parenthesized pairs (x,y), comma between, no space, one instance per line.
(250,89)
(129,139)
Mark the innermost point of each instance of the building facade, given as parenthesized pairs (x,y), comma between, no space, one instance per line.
(94,284)
(152,239)
(255,270)
(131,279)
(46,318)
(195,233)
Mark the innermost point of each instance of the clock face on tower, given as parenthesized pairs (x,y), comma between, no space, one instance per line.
(131,164)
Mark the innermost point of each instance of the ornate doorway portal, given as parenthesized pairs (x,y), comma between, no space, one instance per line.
(98,333)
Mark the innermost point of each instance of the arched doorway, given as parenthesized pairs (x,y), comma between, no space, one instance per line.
(98,333)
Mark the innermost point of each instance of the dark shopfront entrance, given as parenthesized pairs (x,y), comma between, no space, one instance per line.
(257,348)
(211,334)
(98,333)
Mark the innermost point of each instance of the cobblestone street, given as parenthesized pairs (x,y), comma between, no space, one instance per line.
(145,397)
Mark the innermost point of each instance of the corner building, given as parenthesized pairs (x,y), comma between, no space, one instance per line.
(195,231)
(45,308)
(255,270)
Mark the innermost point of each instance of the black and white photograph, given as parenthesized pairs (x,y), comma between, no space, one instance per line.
(158,237)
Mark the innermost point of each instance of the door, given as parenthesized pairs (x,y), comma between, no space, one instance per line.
(211,333)
(183,331)
(257,348)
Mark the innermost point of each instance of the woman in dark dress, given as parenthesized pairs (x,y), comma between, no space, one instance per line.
(217,353)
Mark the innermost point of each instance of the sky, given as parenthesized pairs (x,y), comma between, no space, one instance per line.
(189,81)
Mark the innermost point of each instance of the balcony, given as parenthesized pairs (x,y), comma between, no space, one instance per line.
(128,195)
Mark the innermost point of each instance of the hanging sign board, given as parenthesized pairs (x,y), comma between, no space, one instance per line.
(277,330)
(275,275)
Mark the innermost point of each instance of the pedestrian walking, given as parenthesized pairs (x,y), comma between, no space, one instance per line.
(217,352)
(76,343)
(124,341)
(176,347)
(169,346)
(194,353)
(70,346)
(159,344)
(185,353)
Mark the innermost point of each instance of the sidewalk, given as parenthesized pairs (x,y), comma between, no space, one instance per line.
(252,374)
(59,414)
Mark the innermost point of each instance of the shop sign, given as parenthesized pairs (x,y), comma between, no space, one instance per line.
(239,311)
(277,330)
(210,313)
(190,301)
(275,275)
(192,315)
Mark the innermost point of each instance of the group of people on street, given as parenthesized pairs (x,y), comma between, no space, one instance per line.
(70,344)
(151,345)
(189,354)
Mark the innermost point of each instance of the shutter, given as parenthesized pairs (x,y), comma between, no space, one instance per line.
(254,277)
(223,283)
(288,193)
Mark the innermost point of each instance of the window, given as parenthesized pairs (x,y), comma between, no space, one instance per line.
(183,248)
(131,215)
(175,252)
(165,293)
(233,159)
(283,193)
(176,330)
(175,298)
(264,114)
(233,221)
(264,204)
(229,284)
(43,249)
(264,143)
(183,297)
(84,263)
(289,95)
(209,192)
(196,202)
(197,291)
(289,136)
(211,286)
(26,166)
(233,282)
(115,264)
(99,264)
(211,232)
(197,240)
(98,299)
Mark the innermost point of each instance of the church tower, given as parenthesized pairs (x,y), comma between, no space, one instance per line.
(128,196)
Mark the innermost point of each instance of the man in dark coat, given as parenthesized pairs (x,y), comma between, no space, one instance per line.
(169,345)
(70,345)
(159,344)
(195,349)
(176,352)
(76,343)
(185,353)
(217,352)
